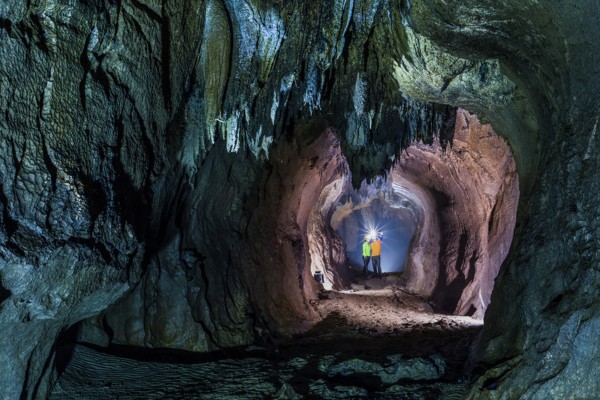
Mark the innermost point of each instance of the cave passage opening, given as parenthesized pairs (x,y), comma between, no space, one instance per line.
(447,214)
(446,237)
(376,209)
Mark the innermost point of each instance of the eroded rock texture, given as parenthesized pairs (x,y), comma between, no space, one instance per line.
(168,149)
(460,200)
(467,195)
(537,334)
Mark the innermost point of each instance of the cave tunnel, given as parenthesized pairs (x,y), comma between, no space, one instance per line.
(173,175)
(447,215)
(392,217)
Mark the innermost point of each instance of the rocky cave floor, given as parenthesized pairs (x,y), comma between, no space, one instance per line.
(374,341)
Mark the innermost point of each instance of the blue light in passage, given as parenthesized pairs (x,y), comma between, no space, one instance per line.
(395,242)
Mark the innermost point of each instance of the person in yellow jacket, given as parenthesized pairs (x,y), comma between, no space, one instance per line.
(376,255)
(366,255)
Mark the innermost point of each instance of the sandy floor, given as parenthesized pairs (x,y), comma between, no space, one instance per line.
(382,307)
(377,317)
(379,342)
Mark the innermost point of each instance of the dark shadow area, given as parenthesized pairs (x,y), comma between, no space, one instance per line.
(165,355)
(331,360)
(4,294)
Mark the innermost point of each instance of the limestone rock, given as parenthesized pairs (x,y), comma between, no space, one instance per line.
(141,138)
(472,185)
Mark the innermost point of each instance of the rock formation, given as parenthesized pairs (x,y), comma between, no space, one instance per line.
(165,157)
(468,193)
(461,199)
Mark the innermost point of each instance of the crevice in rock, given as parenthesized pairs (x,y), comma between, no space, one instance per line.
(109,331)
(130,200)
(165,57)
(206,284)
(50,164)
(40,388)
(4,294)
(26,388)
(10,225)
(97,200)
(6,24)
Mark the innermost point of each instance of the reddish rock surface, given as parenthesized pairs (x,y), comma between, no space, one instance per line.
(468,193)
(463,198)
(279,235)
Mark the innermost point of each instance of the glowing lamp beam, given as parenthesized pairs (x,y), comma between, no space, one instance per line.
(374,234)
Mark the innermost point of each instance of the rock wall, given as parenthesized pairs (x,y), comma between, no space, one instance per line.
(328,250)
(282,283)
(537,340)
(134,145)
(136,151)
(200,293)
(468,194)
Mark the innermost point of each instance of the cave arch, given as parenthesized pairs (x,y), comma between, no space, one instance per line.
(460,201)
(108,108)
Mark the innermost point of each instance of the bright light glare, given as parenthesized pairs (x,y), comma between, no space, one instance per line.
(372,234)
(395,234)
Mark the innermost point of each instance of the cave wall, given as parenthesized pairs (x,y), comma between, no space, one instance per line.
(328,250)
(136,139)
(467,194)
(292,194)
(133,158)
(79,103)
(538,340)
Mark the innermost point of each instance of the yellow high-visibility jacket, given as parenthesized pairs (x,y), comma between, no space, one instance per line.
(366,249)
